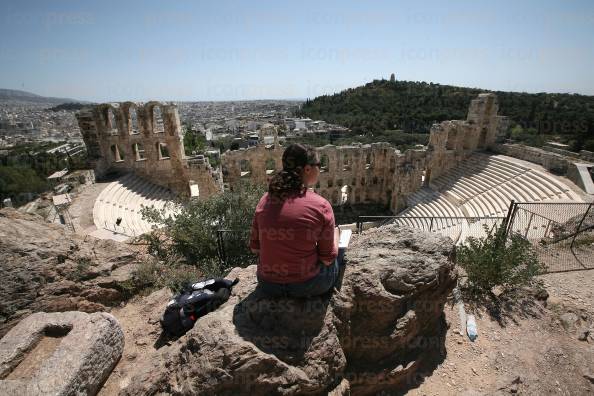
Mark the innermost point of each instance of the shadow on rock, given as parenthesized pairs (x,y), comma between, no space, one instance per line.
(163,340)
(270,324)
(381,333)
(434,355)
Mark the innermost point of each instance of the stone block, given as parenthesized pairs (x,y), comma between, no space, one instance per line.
(67,353)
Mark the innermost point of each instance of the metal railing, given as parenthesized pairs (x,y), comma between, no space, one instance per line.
(561,232)
(121,229)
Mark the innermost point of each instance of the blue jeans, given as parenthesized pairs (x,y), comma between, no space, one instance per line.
(318,285)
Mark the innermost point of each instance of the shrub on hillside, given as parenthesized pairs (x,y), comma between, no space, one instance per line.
(154,274)
(192,235)
(497,260)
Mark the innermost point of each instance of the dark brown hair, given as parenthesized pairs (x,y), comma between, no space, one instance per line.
(288,182)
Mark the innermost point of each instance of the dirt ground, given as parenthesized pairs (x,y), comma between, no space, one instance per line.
(140,321)
(523,349)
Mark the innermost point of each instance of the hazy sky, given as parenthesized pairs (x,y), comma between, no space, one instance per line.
(218,50)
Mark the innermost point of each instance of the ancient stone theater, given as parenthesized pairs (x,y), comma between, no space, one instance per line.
(456,175)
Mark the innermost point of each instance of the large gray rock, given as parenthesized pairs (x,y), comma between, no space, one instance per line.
(45,268)
(372,335)
(69,353)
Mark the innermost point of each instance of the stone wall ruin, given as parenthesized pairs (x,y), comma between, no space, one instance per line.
(129,136)
(145,139)
(378,173)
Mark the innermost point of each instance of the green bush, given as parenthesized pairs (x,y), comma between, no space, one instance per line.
(154,274)
(495,260)
(16,180)
(191,236)
(81,270)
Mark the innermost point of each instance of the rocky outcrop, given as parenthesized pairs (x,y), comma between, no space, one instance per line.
(372,335)
(66,353)
(45,268)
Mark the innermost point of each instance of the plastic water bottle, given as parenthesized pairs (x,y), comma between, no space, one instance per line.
(471,328)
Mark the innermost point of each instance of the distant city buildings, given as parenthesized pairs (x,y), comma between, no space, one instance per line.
(245,123)
(22,123)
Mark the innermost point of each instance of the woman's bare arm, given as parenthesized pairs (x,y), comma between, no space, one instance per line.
(336,239)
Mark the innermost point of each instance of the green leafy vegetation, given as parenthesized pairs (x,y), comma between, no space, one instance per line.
(192,237)
(495,260)
(18,180)
(400,139)
(381,107)
(194,140)
(154,274)
(24,169)
(80,271)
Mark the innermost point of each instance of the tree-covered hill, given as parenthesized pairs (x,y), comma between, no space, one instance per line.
(414,106)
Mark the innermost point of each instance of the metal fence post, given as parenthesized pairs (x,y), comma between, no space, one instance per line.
(546,233)
(577,231)
(219,250)
(511,212)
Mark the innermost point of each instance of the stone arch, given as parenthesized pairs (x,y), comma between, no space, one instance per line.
(324,163)
(451,142)
(425,176)
(112,124)
(270,166)
(138,150)
(346,162)
(467,139)
(133,120)
(346,194)
(162,150)
(245,168)
(157,119)
(369,161)
(117,154)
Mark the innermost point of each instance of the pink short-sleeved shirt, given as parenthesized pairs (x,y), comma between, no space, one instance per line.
(293,237)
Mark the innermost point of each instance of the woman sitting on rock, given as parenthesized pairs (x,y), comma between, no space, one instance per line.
(293,231)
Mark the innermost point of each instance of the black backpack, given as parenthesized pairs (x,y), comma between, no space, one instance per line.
(194,301)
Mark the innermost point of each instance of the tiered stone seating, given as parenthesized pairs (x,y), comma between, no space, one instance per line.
(124,199)
(482,187)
